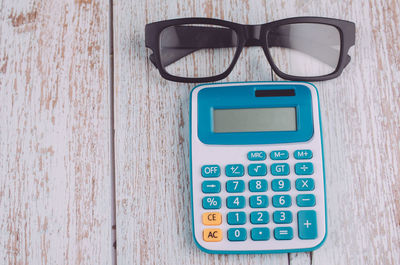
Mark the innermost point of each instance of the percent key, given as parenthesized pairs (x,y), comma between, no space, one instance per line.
(212,202)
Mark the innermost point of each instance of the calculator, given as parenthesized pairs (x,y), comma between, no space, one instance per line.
(257,168)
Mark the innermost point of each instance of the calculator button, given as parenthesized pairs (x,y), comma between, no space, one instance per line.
(235,186)
(236,218)
(280,169)
(211,202)
(304,168)
(212,218)
(260,234)
(258,185)
(257,169)
(256,155)
(235,170)
(282,217)
(237,234)
(212,235)
(304,184)
(305,200)
(279,155)
(280,185)
(281,201)
(283,233)
(210,171)
(307,221)
(258,201)
(211,186)
(259,217)
(303,154)
(235,202)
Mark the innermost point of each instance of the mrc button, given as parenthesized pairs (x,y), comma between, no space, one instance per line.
(256,155)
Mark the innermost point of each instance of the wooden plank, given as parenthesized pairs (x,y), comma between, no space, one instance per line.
(152,133)
(55,193)
(360,127)
(360,118)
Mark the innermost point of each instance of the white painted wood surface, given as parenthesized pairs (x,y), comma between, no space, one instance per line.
(55,137)
(360,114)
(55,192)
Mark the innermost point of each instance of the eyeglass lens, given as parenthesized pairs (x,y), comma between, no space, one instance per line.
(304,49)
(197,50)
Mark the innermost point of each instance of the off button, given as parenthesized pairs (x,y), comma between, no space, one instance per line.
(212,218)
(212,235)
(210,171)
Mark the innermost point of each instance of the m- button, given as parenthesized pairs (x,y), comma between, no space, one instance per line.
(279,155)
(212,218)
(212,235)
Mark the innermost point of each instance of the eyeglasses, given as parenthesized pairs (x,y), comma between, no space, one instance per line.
(206,50)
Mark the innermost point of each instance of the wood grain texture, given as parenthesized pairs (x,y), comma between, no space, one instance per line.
(55,141)
(360,116)
(55,193)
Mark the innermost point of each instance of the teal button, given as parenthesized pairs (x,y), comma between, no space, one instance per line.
(259,217)
(280,169)
(212,202)
(279,155)
(234,170)
(235,186)
(256,155)
(304,168)
(307,223)
(210,171)
(257,169)
(237,234)
(283,233)
(282,217)
(211,186)
(236,218)
(280,185)
(304,184)
(235,202)
(258,185)
(280,201)
(260,234)
(303,154)
(305,200)
(258,201)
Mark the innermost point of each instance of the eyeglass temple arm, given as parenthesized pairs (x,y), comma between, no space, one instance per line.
(179,45)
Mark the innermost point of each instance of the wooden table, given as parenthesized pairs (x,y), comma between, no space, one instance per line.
(94,151)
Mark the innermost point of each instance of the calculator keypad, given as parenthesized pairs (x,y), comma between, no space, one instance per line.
(258,216)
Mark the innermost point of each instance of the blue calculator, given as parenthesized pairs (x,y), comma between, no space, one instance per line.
(257,168)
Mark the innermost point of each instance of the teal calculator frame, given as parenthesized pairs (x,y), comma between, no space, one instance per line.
(240,97)
(255,84)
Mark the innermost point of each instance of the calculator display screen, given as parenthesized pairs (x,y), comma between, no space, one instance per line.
(254,120)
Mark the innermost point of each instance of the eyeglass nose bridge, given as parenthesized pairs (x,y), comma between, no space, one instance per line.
(253,35)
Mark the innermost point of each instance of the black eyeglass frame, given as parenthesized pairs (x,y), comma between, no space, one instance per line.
(249,36)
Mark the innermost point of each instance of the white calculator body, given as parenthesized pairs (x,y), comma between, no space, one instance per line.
(257,171)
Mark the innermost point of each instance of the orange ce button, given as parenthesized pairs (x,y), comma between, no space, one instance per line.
(213,218)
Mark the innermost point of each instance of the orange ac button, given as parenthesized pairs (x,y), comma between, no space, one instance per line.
(212,235)
(212,218)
